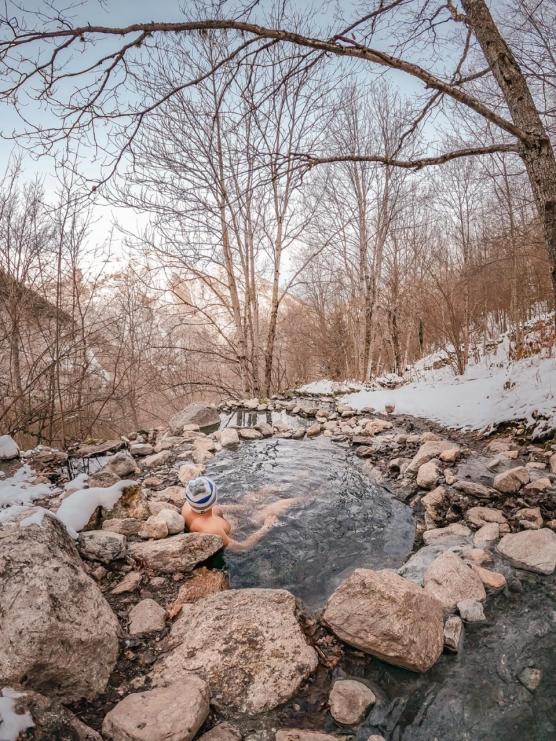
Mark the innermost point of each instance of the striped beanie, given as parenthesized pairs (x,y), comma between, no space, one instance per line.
(200,494)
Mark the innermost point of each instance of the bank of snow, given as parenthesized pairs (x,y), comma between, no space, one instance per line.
(486,394)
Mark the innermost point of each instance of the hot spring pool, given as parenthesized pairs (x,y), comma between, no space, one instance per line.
(344,521)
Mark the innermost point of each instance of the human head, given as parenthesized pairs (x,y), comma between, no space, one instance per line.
(200,494)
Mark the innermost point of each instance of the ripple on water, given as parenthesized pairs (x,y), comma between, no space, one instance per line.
(344,521)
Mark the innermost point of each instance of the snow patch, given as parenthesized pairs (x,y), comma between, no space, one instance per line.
(325,387)
(18,489)
(76,510)
(12,723)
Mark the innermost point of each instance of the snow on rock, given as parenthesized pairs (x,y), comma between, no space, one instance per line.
(18,492)
(8,448)
(77,509)
(12,723)
(325,387)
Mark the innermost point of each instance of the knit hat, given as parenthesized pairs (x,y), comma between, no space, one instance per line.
(200,494)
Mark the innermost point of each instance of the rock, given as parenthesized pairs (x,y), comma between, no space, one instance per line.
(102,545)
(121,464)
(486,535)
(385,615)
(131,504)
(449,580)
(176,554)
(539,485)
(246,643)
(428,474)
(265,429)
(146,616)
(173,713)
(414,569)
(129,583)
(298,434)
(433,501)
(222,732)
(530,518)
(200,415)
(474,489)
(499,446)
(491,579)
(552,463)
(313,430)
(453,633)
(530,677)
(250,433)
(376,426)
(455,532)
(155,527)
(349,701)
(141,449)
(158,459)
(251,404)
(471,610)
(299,734)
(428,451)
(103,479)
(449,477)
(189,471)
(157,505)
(48,721)
(450,455)
(8,448)
(532,550)
(54,621)
(202,583)
(124,526)
(229,438)
(173,520)
(477,555)
(88,451)
(511,481)
(480,516)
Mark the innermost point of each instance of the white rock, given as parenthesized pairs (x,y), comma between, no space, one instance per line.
(147,616)
(349,701)
(173,713)
(229,438)
(532,550)
(8,448)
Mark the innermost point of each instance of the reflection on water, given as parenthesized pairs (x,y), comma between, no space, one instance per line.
(343,521)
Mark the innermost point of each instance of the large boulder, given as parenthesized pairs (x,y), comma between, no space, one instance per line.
(450,580)
(8,448)
(173,713)
(247,644)
(385,615)
(41,719)
(59,635)
(532,550)
(195,414)
(176,554)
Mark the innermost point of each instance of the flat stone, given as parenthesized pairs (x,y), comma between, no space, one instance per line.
(453,633)
(141,449)
(246,643)
(532,550)
(376,426)
(203,417)
(265,429)
(249,433)
(480,516)
(123,525)
(102,545)
(89,451)
(471,611)
(473,489)
(511,481)
(486,535)
(176,554)
(146,616)
(349,701)
(129,583)
(173,713)
(539,485)
(158,459)
(385,615)
(449,580)
(439,534)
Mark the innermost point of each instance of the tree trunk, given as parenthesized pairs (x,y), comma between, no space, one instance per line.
(536,150)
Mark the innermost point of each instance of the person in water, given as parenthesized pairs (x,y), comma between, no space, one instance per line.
(203,515)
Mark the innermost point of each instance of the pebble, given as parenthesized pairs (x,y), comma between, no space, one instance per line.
(349,701)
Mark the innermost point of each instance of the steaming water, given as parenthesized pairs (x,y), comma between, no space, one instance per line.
(345,521)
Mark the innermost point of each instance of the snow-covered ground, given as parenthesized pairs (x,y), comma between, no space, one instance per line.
(492,390)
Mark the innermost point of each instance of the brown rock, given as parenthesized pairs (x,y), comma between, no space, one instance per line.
(298,734)
(474,489)
(222,732)
(201,584)
(511,481)
(387,616)
(530,518)
(486,535)
(154,527)
(129,583)
(539,485)
(491,579)
(428,474)
(176,554)
(480,516)
(349,701)
(450,580)
(532,550)
(428,451)
(453,633)
(440,534)
(124,525)
(147,616)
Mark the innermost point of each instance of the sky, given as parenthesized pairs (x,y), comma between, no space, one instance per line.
(113,13)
